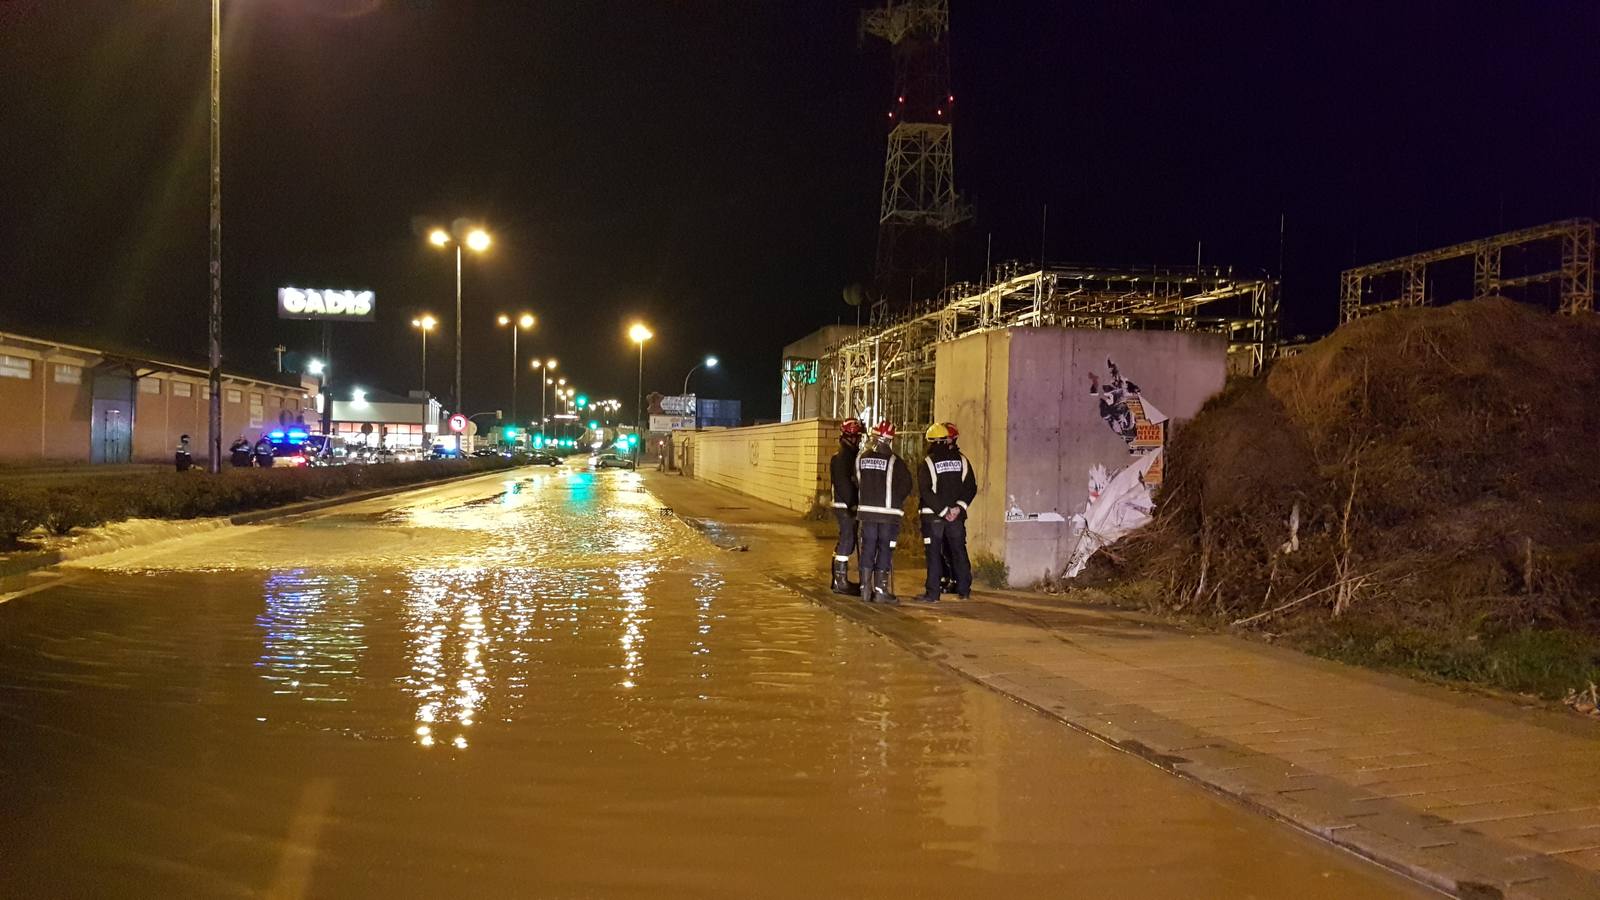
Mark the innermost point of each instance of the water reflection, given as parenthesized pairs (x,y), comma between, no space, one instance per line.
(632,581)
(312,639)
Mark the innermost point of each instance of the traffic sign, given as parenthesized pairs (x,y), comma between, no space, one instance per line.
(458,423)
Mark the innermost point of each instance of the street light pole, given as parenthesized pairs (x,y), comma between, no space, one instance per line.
(455,400)
(639,333)
(709,362)
(477,240)
(214,438)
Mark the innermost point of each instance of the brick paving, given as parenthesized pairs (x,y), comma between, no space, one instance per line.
(1473,794)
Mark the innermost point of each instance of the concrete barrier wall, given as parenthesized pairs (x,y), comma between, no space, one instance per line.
(784,464)
(1033,430)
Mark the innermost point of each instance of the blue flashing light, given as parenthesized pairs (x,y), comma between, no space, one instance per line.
(276,435)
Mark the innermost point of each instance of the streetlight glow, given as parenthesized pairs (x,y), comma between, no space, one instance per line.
(316,367)
(711,362)
(639,333)
(526,321)
(426,323)
(504,319)
(478,240)
(438,237)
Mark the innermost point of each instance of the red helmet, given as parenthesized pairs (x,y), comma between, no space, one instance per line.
(851,426)
(884,429)
(952,429)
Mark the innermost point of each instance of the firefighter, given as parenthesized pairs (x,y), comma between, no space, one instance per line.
(883,483)
(843,470)
(947,486)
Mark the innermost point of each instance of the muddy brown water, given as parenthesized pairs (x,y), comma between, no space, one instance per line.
(543,687)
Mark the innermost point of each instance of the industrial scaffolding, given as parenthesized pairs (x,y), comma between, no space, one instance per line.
(889,372)
(1404,282)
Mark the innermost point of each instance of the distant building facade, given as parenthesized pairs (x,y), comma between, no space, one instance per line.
(805,386)
(65,402)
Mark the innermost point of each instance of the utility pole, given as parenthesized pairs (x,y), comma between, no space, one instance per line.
(214,438)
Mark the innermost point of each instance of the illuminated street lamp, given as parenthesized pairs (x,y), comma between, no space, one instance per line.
(523,323)
(424,324)
(325,406)
(709,362)
(638,333)
(544,383)
(477,240)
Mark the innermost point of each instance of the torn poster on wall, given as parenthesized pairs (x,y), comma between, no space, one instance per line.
(1121,501)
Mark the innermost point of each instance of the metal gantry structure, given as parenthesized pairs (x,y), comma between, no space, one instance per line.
(889,371)
(919,205)
(1404,281)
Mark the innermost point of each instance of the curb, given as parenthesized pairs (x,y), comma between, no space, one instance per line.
(24,563)
(293,509)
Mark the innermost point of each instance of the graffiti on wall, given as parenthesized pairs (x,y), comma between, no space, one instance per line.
(1121,501)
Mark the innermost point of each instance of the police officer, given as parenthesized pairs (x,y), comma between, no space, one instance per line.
(884,483)
(947,486)
(264,453)
(239,453)
(843,470)
(181,457)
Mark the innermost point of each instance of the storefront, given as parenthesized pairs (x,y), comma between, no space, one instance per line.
(380,419)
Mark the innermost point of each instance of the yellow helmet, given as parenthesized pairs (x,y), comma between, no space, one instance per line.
(937,432)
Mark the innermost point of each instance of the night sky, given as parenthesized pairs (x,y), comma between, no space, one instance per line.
(713,166)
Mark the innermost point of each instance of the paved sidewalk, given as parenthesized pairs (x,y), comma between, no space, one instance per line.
(1473,794)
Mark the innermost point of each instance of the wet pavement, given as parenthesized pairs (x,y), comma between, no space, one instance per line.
(542,685)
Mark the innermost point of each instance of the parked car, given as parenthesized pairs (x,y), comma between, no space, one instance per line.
(612,461)
(541,458)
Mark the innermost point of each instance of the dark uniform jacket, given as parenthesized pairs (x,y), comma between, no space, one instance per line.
(946,480)
(843,470)
(884,483)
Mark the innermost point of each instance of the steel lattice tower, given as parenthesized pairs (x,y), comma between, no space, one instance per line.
(919,205)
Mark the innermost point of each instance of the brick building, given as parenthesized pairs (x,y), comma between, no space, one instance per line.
(65,402)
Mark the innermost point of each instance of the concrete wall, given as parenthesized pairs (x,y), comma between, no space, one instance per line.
(784,464)
(970,377)
(1033,431)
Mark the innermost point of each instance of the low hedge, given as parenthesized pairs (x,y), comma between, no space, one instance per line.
(61,505)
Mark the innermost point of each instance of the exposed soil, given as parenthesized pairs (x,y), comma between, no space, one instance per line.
(1440,465)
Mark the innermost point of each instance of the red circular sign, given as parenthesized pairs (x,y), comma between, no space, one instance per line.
(458,423)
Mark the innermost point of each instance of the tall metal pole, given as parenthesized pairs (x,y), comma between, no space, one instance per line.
(514,327)
(424,364)
(544,388)
(457,398)
(215,329)
(639,409)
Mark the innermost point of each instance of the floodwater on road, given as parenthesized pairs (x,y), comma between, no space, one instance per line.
(538,685)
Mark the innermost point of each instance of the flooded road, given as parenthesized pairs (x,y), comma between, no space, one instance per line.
(541,686)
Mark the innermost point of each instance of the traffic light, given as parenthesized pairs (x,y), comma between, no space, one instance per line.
(633,440)
(594,425)
(582,401)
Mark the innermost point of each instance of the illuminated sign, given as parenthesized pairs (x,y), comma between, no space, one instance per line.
(338,306)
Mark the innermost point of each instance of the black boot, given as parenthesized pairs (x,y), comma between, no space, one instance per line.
(927,596)
(841,578)
(881,589)
(866,585)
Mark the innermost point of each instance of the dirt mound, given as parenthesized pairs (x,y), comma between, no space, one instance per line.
(1429,469)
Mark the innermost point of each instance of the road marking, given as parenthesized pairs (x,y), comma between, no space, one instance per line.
(300,851)
(64,579)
